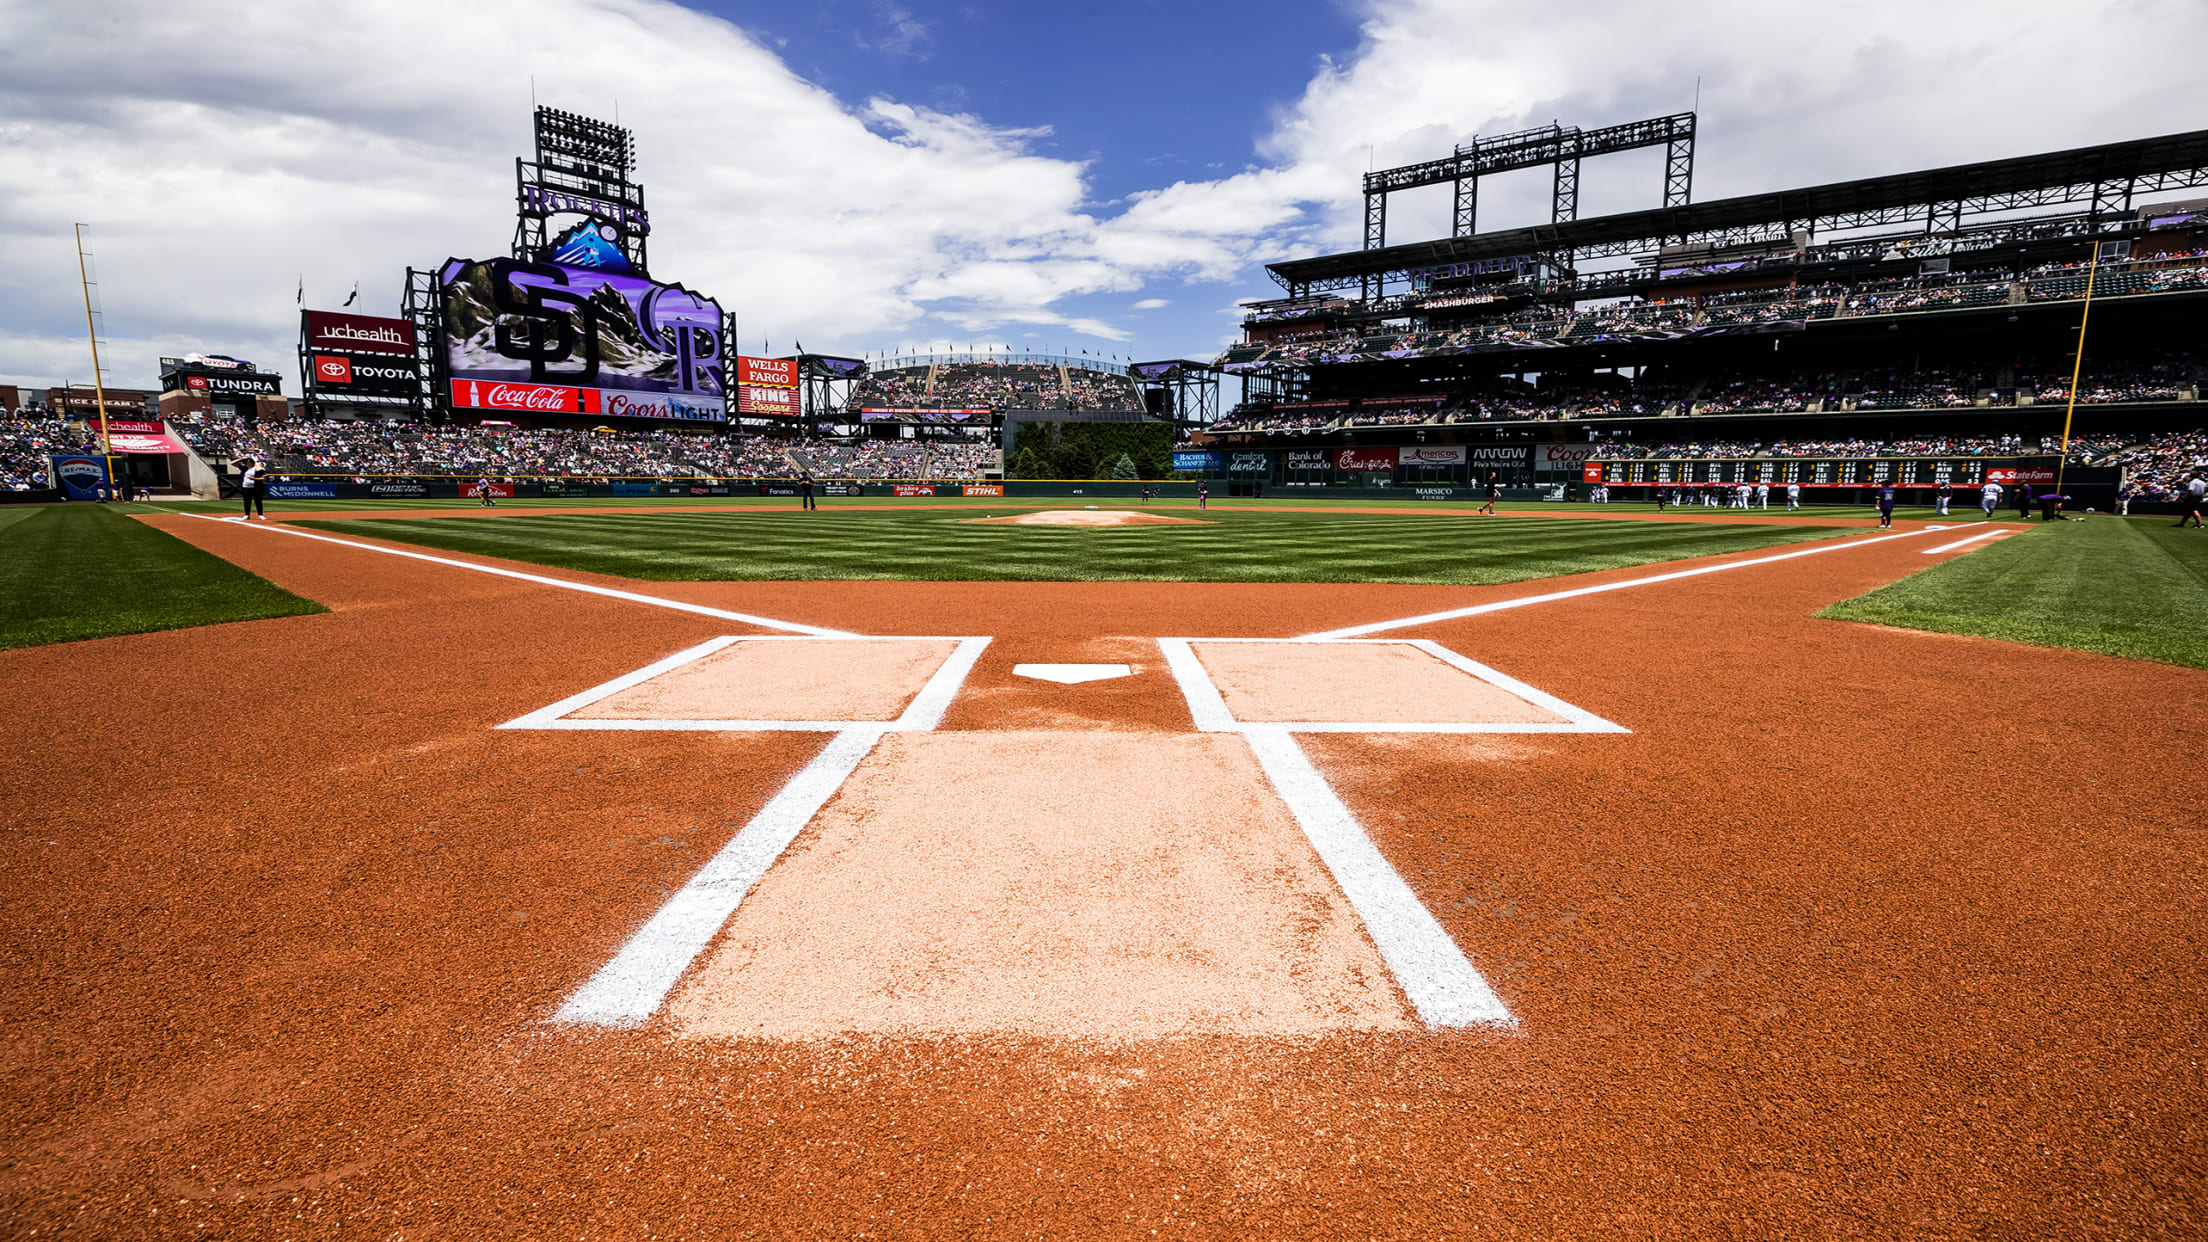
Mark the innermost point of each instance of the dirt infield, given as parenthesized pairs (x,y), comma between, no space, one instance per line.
(1097,517)
(1858,932)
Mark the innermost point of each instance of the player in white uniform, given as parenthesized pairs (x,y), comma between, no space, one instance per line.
(1763,497)
(1793,497)
(1989,498)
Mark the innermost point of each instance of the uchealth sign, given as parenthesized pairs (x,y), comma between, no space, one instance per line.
(1365,459)
(337,332)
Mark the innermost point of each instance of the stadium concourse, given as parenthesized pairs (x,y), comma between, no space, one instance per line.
(822,908)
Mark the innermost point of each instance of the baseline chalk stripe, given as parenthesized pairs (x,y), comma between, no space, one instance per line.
(1431,618)
(629,989)
(1435,975)
(1965,542)
(586,588)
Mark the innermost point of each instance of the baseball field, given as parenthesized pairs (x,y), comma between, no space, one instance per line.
(925,869)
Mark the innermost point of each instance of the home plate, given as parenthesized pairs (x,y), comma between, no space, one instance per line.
(1071,674)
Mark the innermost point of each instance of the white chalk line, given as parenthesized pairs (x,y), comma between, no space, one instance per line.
(1960,543)
(1431,618)
(1440,982)
(1437,978)
(923,712)
(629,989)
(586,588)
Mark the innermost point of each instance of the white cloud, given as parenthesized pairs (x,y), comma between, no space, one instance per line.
(218,161)
(1152,304)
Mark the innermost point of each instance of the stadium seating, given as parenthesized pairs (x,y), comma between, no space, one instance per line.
(996,386)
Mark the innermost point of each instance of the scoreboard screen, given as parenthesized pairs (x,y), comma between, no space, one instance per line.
(1959,472)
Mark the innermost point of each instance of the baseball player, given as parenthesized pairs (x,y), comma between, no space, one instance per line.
(1939,499)
(1885,506)
(1793,497)
(1989,498)
(1763,497)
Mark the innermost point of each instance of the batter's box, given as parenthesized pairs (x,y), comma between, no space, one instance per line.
(1359,685)
(765,682)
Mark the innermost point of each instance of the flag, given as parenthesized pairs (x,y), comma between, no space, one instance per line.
(349,298)
(301,297)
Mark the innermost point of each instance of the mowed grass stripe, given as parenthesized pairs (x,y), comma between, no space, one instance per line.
(2132,587)
(70,572)
(931,545)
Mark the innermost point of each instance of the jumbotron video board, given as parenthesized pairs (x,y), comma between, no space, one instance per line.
(548,338)
(1817,471)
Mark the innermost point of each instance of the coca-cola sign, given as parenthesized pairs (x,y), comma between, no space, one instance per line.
(531,398)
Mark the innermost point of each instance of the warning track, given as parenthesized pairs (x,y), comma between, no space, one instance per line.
(1856,927)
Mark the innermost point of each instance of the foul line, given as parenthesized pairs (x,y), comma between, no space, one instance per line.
(1984,534)
(586,588)
(1376,627)
(628,990)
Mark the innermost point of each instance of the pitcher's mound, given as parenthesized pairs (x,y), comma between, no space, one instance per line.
(1088,517)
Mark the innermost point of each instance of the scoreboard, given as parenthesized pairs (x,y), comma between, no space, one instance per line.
(1959,472)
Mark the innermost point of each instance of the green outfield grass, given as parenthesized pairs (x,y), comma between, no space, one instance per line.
(1252,544)
(2133,587)
(88,571)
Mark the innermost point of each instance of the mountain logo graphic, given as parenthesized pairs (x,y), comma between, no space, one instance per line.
(593,244)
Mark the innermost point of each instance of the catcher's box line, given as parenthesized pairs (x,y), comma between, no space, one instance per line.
(923,712)
(1430,618)
(794,627)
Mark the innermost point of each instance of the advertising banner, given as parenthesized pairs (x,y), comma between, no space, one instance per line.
(339,333)
(1499,456)
(766,372)
(498,491)
(841,489)
(1435,455)
(525,398)
(1591,472)
(633,489)
(982,489)
(1364,459)
(778,402)
(1562,458)
(645,349)
(912,489)
(1434,493)
(302,491)
(562,487)
(777,489)
(1249,463)
(80,477)
(1196,459)
(399,489)
(120,443)
(371,375)
(2011,475)
(243,384)
(1309,459)
(128,426)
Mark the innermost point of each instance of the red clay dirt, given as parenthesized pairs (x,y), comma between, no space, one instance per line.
(1859,932)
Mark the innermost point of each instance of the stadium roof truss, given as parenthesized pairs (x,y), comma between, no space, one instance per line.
(2108,178)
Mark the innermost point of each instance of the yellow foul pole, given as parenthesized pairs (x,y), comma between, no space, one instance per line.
(99,389)
(2077,366)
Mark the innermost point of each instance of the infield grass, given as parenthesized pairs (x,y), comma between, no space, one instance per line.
(2134,587)
(87,571)
(1241,545)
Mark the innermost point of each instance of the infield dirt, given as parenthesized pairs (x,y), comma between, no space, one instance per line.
(1859,932)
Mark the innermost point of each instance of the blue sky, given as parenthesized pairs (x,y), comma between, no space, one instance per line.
(865,176)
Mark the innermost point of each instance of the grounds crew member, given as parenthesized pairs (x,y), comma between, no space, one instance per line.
(805,488)
(2192,500)
(253,489)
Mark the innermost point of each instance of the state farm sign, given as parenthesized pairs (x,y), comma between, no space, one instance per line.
(531,398)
